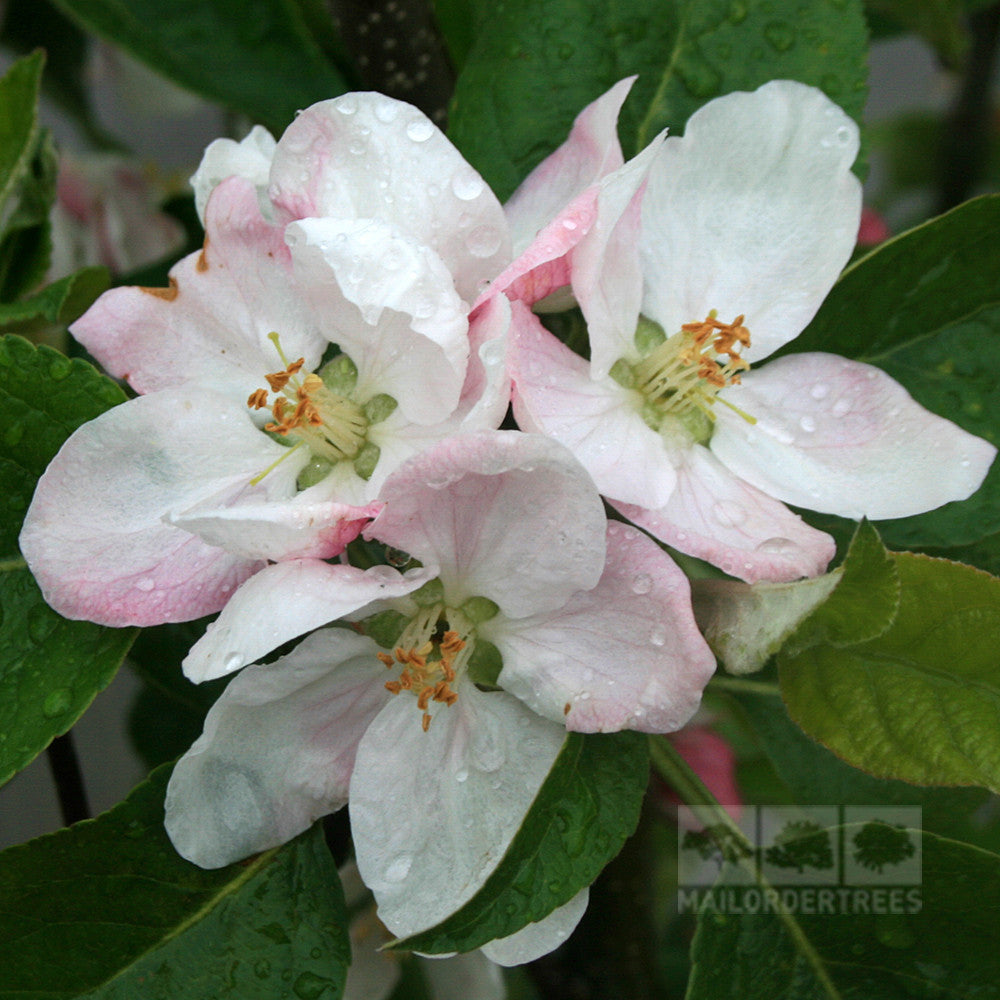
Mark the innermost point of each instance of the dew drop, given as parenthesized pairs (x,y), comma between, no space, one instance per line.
(461,776)
(843,135)
(59,369)
(658,636)
(57,702)
(399,868)
(467,185)
(729,514)
(233,661)
(776,546)
(483,241)
(807,423)
(841,408)
(13,434)
(309,986)
(386,111)
(819,391)
(642,583)
(262,969)
(420,130)
(358,147)
(347,105)
(569,224)
(146,584)
(780,35)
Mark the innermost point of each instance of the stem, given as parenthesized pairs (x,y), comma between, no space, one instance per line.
(676,771)
(966,133)
(68,778)
(740,686)
(10,565)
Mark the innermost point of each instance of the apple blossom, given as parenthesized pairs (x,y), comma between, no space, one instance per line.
(251,443)
(746,223)
(527,615)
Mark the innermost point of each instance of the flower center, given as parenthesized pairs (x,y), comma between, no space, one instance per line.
(680,376)
(317,412)
(437,646)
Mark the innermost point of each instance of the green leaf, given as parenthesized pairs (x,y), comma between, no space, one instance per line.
(50,668)
(538,65)
(941,23)
(938,940)
(107,910)
(62,302)
(256,57)
(18,122)
(920,702)
(583,813)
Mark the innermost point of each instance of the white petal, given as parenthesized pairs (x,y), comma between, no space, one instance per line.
(504,515)
(391,306)
(754,211)
(716,516)
(284,601)
(250,158)
(459,793)
(277,750)
(366,156)
(625,655)
(539,939)
(843,437)
(597,419)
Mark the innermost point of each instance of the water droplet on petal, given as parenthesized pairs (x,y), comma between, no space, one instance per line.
(386,111)
(233,661)
(467,184)
(819,391)
(777,546)
(642,583)
(461,776)
(658,636)
(841,408)
(346,105)
(420,130)
(483,241)
(146,584)
(807,423)
(729,514)
(399,868)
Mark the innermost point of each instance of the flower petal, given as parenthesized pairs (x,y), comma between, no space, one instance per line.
(754,212)
(460,792)
(504,515)
(250,158)
(97,535)
(625,655)
(284,601)
(843,437)
(717,517)
(589,153)
(597,420)
(540,938)
(211,325)
(393,307)
(277,750)
(366,156)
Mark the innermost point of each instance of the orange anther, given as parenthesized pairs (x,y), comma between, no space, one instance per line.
(258,399)
(394,686)
(385,658)
(425,722)
(277,380)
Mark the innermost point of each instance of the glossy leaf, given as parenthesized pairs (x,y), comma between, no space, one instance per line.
(50,668)
(257,58)
(583,813)
(938,939)
(61,303)
(107,910)
(921,701)
(538,65)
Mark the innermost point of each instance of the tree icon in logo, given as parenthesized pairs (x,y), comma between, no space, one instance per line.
(801,844)
(716,842)
(878,844)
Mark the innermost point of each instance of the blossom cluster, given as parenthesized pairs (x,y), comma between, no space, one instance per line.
(329,375)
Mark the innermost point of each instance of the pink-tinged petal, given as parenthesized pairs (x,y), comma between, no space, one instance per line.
(97,535)
(714,761)
(589,153)
(296,528)
(486,392)
(212,324)
(843,437)
(504,515)
(540,938)
(393,307)
(607,265)
(250,158)
(719,518)
(460,791)
(366,156)
(753,212)
(277,750)
(598,420)
(286,600)
(872,228)
(625,655)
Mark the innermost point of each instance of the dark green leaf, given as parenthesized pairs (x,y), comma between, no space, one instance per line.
(108,910)
(256,57)
(921,702)
(538,65)
(583,813)
(941,23)
(938,941)
(18,122)
(50,668)
(62,302)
